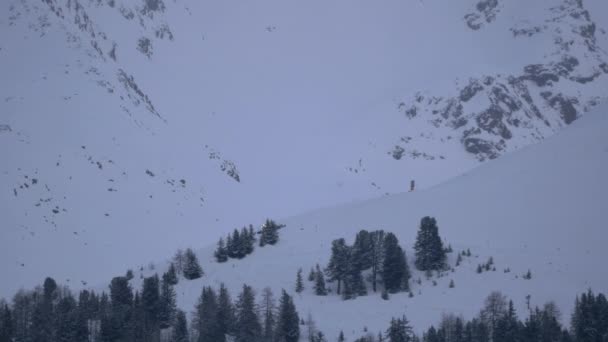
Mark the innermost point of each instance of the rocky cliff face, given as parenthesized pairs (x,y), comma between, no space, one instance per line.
(492,114)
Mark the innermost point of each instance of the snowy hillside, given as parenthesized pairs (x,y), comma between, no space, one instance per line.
(164,124)
(539,209)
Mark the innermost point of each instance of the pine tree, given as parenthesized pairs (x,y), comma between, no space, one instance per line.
(150,300)
(192,269)
(430,254)
(400,330)
(171,275)
(245,248)
(337,269)
(138,321)
(119,325)
(226,315)
(180,330)
(395,272)
(248,328)
(43,313)
(341,337)
(362,255)
(299,281)
(495,307)
(320,289)
(167,310)
(320,337)
(206,318)
(270,233)
(507,327)
(353,281)
(312,275)
(451,284)
(458,260)
(221,254)
(6,324)
(237,245)
(70,324)
(590,318)
(250,240)
(288,329)
(230,247)
(179,260)
(377,255)
(268,307)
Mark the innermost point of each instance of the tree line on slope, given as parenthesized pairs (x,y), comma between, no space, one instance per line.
(498,322)
(240,244)
(380,253)
(51,313)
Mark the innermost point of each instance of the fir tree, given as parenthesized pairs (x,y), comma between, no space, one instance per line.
(226,315)
(341,337)
(590,318)
(353,281)
(377,255)
(230,248)
(395,271)
(119,323)
(167,310)
(288,329)
(221,254)
(312,275)
(179,260)
(337,269)
(245,248)
(237,246)
(42,316)
(268,307)
(171,275)
(270,233)
(430,254)
(70,323)
(400,330)
(206,318)
(6,324)
(192,269)
(180,330)
(250,241)
(362,255)
(248,328)
(451,284)
(138,323)
(507,327)
(299,281)
(150,300)
(320,289)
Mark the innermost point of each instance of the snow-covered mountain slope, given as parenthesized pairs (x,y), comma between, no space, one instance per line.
(540,209)
(164,124)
